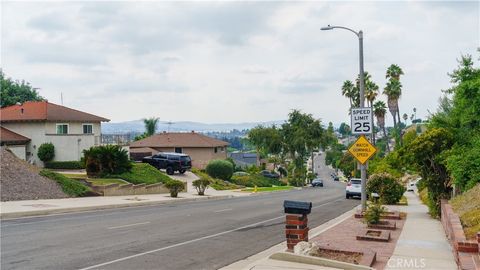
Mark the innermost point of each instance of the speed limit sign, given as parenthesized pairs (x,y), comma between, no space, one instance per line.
(362,120)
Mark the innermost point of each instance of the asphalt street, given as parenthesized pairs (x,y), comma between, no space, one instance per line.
(194,235)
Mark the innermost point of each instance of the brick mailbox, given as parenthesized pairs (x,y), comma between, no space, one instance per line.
(296,224)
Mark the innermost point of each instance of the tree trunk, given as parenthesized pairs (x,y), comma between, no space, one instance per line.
(386,139)
(393,108)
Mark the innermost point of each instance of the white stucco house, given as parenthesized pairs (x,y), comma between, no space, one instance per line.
(26,126)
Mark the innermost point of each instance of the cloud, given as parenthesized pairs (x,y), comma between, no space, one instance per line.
(231,61)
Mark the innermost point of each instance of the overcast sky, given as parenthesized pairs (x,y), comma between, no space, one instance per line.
(231,61)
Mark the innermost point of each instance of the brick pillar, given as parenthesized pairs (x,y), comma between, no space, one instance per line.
(296,230)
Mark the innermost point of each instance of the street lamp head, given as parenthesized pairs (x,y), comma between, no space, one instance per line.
(328,27)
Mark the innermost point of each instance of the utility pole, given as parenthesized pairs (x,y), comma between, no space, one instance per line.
(363,167)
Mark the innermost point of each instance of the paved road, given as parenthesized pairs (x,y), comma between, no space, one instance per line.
(199,235)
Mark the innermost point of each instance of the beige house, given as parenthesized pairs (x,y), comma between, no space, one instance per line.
(71,131)
(199,147)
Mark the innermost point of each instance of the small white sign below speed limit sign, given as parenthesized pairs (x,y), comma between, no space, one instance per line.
(362,120)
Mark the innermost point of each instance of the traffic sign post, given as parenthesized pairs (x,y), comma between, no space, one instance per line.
(362,150)
(361,120)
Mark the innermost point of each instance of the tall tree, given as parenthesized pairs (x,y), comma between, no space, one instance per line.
(380,109)
(349,91)
(302,134)
(393,74)
(12,92)
(267,140)
(151,125)
(393,90)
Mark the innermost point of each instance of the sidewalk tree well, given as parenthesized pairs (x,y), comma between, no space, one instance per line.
(46,152)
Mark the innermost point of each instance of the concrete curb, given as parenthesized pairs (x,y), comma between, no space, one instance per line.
(290,257)
(34,213)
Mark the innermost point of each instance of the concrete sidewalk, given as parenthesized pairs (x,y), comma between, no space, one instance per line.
(15,209)
(422,243)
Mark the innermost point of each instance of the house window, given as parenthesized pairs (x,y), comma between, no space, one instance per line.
(178,150)
(87,129)
(215,149)
(222,149)
(62,128)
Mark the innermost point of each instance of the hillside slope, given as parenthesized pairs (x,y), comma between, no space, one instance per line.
(20,181)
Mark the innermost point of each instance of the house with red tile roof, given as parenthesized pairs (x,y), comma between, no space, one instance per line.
(24,127)
(199,147)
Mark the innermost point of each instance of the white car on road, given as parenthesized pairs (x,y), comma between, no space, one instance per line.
(353,188)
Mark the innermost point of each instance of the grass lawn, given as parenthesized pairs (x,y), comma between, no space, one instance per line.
(268,189)
(143,173)
(106,181)
(76,175)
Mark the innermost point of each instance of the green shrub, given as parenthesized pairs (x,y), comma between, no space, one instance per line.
(216,184)
(221,169)
(106,159)
(373,213)
(387,187)
(201,185)
(69,165)
(46,152)
(174,186)
(69,186)
(142,173)
(255,180)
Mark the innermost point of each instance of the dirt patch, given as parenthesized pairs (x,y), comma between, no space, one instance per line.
(20,181)
(373,233)
(349,257)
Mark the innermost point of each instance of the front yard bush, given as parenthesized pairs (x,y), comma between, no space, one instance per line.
(201,185)
(142,173)
(387,186)
(46,152)
(175,186)
(71,187)
(216,184)
(221,169)
(106,159)
(67,165)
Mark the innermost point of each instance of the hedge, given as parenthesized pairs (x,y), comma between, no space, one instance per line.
(387,186)
(69,165)
(71,187)
(256,180)
(221,169)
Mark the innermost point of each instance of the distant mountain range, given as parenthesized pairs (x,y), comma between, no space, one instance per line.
(137,126)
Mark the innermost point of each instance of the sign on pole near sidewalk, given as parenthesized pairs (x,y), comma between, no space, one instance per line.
(362,150)
(362,120)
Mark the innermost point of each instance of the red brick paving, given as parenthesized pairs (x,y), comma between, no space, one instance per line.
(343,236)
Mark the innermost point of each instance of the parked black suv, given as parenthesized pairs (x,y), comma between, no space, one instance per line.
(171,162)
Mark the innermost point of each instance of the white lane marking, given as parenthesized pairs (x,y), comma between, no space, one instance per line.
(193,240)
(223,210)
(129,225)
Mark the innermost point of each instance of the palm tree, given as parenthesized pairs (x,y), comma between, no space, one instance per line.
(151,125)
(393,90)
(394,72)
(379,109)
(348,90)
(405,117)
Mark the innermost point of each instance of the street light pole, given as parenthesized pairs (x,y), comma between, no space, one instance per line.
(363,168)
